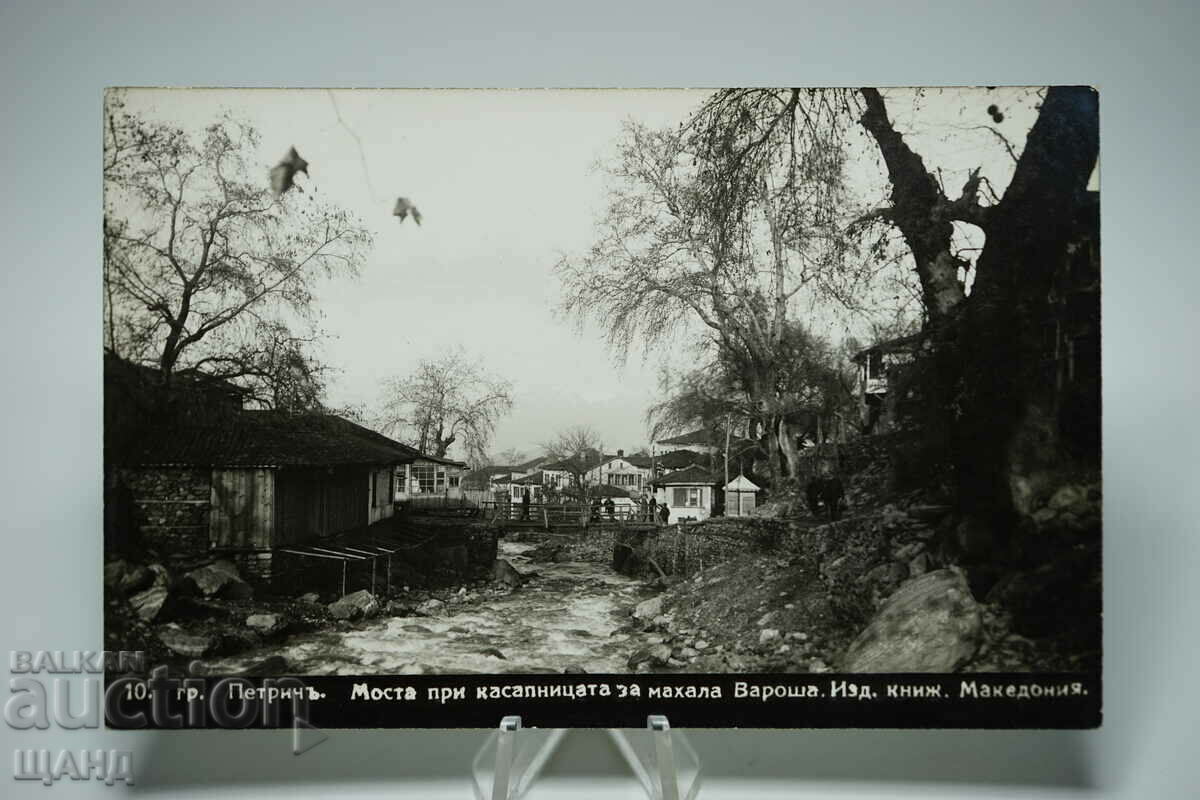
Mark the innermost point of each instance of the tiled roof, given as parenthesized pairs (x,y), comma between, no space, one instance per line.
(575,464)
(606,490)
(484,475)
(678,459)
(905,344)
(261,439)
(144,377)
(700,436)
(529,480)
(532,463)
(691,476)
(742,484)
(640,460)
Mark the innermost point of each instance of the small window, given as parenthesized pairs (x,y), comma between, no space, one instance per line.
(422,478)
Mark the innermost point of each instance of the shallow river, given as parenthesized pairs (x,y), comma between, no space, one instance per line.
(563,618)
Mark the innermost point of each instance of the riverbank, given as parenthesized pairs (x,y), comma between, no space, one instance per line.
(563,617)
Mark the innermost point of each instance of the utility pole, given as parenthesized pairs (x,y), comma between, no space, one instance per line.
(728,423)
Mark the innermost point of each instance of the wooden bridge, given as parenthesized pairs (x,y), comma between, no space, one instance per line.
(542,516)
(551,516)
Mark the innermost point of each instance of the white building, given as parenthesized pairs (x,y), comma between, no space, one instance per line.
(687,494)
(741,497)
(428,476)
(631,473)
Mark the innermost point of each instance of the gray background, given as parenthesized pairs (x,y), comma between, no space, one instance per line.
(57,58)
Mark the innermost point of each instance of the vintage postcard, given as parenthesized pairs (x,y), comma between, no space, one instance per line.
(750,407)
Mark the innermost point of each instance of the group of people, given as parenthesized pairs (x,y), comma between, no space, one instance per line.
(653,511)
(649,509)
(606,506)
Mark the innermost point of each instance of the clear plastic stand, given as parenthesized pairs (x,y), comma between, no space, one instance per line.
(510,760)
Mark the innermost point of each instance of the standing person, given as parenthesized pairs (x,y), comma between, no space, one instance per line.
(525,504)
(609,507)
(664,513)
(653,517)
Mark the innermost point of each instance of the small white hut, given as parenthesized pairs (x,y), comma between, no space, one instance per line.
(741,497)
(687,494)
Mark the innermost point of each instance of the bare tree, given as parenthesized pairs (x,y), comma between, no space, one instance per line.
(204,269)
(725,223)
(577,450)
(446,400)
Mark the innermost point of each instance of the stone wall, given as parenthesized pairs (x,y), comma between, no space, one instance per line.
(683,550)
(594,544)
(170,508)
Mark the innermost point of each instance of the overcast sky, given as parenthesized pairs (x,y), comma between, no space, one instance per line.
(506,182)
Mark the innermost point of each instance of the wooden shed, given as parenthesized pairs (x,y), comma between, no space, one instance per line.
(741,497)
(261,480)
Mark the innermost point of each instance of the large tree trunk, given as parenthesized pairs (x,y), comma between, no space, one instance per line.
(787,445)
(989,348)
(1009,430)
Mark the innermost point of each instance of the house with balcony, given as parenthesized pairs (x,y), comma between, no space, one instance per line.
(632,474)
(882,389)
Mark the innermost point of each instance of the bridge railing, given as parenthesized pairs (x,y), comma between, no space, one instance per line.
(572,514)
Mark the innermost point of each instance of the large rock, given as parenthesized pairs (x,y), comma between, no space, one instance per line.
(655,655)
(649,609)
(161,576)
(186,644)
(931,624)
(219,579)
(399,608)
(506,574)
(125,579)
(265,624)
(150,604)
(136,579)
(431,607)
(356,605)
(114,572)
(886,578)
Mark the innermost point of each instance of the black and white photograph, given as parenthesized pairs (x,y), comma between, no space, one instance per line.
(698,395)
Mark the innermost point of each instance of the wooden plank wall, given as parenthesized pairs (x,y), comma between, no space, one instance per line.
(263,508)
(243,508)
(300,506)
(347,493)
